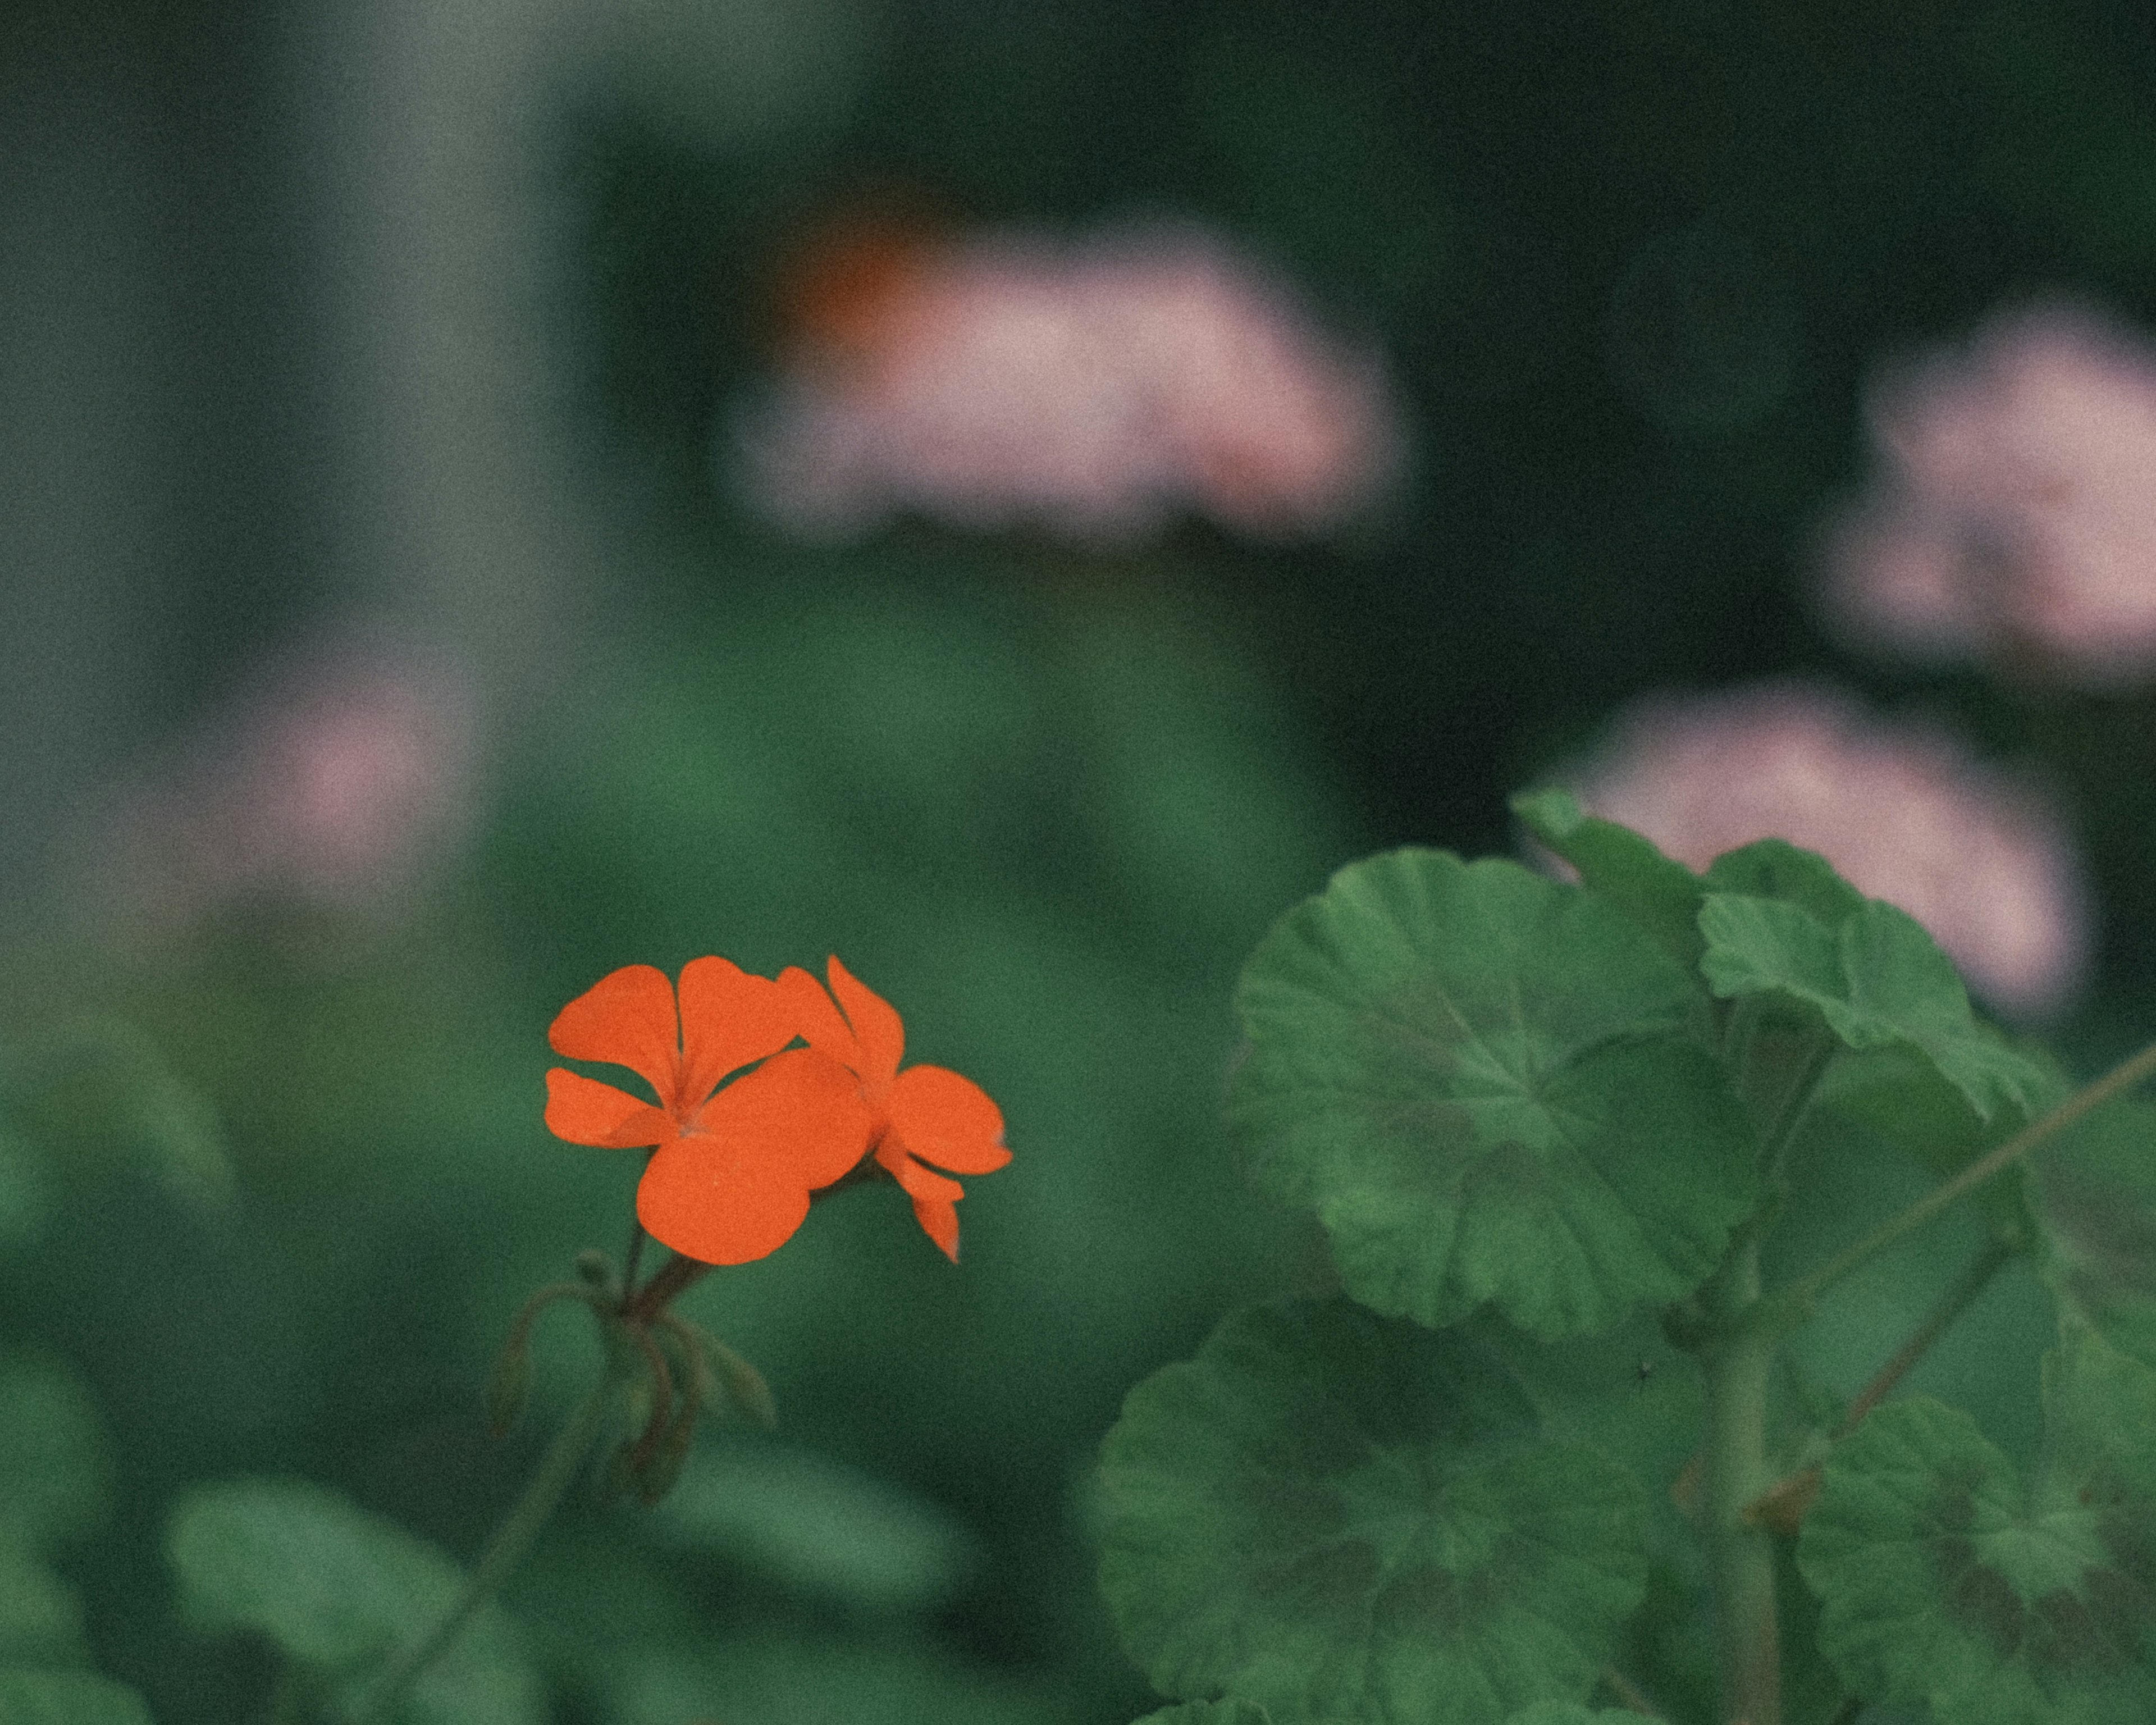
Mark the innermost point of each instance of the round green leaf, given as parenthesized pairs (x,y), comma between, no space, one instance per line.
(1492,1087)
(1347,1518)
(68,1698)
(335,1588)
(1944,1580)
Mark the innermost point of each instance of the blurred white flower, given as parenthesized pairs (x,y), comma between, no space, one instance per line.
(1902,811)
(2013,513)
(1095,389)
(334,785)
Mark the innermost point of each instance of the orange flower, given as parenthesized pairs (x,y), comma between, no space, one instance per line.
(923,1115)
(731,1168)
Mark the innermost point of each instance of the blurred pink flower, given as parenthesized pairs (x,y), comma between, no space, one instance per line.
(1095,389)
(1899,810)
(333,786)
(2013,514)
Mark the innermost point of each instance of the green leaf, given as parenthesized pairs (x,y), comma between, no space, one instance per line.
(1210,1712)
(1492,1087)
(1616,864)
(56,1472)
(1572,1712)
(1775,869)
(40,1615)
(1877,981)
(68,1698)
(1944,1580)
(1349,1518)
(2095,1191)
(818,1528)
(335,1588)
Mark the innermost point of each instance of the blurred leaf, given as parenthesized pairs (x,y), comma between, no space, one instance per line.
(1617,865)
(2094,1186)
(68,1698)
(1490,1088)
(782,1680)
(1573,1712)
(55,1469)
(40,1615)
(27,1199)
(1210,1712)
(817,1527)
(105,1090)
(1876,980)
(1345,1516)
(332,1586)
(1945,1581)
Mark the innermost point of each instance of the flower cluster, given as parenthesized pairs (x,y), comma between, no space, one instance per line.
(1901,812)
(1095,390)
(745,1127)
(2014,513)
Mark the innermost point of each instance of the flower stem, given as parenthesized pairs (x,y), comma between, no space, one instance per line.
(1740,1552)
(1801,1297)
(507,1548)
(645,1303)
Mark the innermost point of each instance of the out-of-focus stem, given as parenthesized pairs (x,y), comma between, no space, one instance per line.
(510,1542)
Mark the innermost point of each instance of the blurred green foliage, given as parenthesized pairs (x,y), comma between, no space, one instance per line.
(270,1192)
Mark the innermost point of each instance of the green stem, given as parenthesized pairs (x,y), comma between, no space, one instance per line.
(512,1541)
(1959,1295)
(1798,1300)
(1740,1554)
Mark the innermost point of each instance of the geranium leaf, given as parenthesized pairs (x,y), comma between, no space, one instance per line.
(1210,1712)
(1944,1580)
(1347,1518)
(335,1588)
(2095,1200)
(68,1698)
(1775,869)
(1491,1087)
(1619,866)
(1877,981)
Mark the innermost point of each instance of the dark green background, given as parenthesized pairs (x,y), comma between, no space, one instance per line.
(1630,264)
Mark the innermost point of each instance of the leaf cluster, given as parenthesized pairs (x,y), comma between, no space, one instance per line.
(1545,1125)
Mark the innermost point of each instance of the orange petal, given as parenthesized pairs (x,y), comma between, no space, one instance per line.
(626,1018)
(939,1221)
(729,1019)
(585,1111)
(877,1027)
(714,1200)
(800,1115)
(817,1017)
(935,1199)
(947,1119)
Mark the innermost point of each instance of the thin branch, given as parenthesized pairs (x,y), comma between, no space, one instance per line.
(1798,1300)
(1959,1295)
